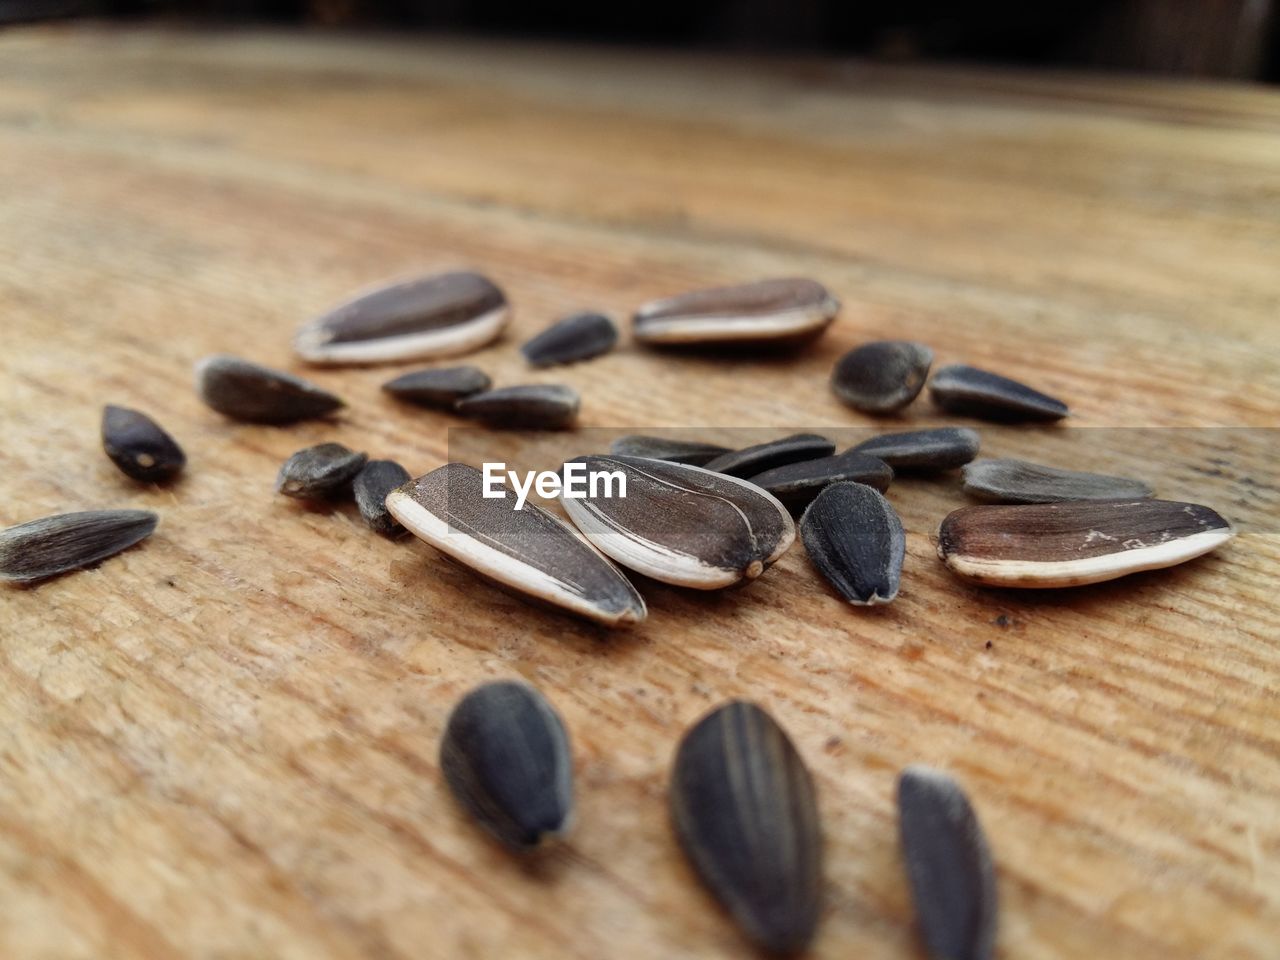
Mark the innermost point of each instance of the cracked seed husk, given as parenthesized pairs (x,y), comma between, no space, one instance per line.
(580,336)
(529,550)
(797,484)
(439,389)
(855,539)
(441,315)
(745,812)
(549,406)
(248,391)
(883,376)
(682,524)
(1076,542)
(661,448)
(505,756)
(1020,481)
(44,548)
(924,451)
(376,479)
(139,446)
(750,461)
(322,472)
(953,883)
(769,310)
(979,393)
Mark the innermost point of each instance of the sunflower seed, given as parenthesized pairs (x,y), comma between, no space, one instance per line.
(1019,481)
(372,484)
(923,451)
(246,391)
(787,309)
(439,389)
(535,406)
(745,813)
(660,448)
(883,376)
(505,755)
(750,461)
(953,882)
(529,550)
(436,316)
(682,524)
(978,393)
(797,484)
(39,549)
(1075,542)
(855,539)
(320,472)
(580,336)
(139,446)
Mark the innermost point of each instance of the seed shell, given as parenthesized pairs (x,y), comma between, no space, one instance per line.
(435,316)
(745,812)
(528,550)
(246,391)
(550,406)
(952,878)
(768,310)
(682,524)
(39,549)
(320,472)
(580,336)
(139,446)
(797,484)
(438,389)
(855,539)
(924,451)
(660,448)
(1019,481)
(376,479)
(1075,542)
(750,461)
(505,755)
(883,376)
(979,393)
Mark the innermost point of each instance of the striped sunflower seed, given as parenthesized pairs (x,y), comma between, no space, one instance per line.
(883,376)
(438,389)
(321,472)
(580,336)
(750,461)
(534,406)
(505,756)
(768,310)
(682,524)
(953,882)
(1075,542)
(44,548)
(246,391)
(855,539)
(797,484)
(978,393)
(376,479)
(924,451)
(139,446)
(437,316)
(660,448)
(529,550)
(1019,481)
(745,813)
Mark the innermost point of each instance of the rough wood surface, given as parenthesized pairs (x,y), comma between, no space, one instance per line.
(223,743)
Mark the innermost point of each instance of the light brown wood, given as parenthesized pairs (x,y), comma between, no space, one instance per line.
(223,743)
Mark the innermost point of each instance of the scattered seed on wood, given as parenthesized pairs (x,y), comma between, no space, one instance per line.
(438,389)
(682,524)
(924,451)
(505,755)
(797,484)
(883,376)
(44,548)
(372,484)
(978,393)
(745,813)
(1075,542)
(533,406)
(855,539)
(1019,481)
(750,461)
(580,336)
(769,310)
(529,550)
(139,446)
(953,882)
(322,472)
(436,316)
(660,448)
(246,391)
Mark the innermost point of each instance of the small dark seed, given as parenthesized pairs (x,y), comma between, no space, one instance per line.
(372,484)
(797,484)
(139,446)
(768,311)
(883,376)
(39,549)
(322,472)
(577,337)
(750,461)
(1019,481)
(660,448)
(532,406)
(922,451)
(438,389)
(855,539)
(246,391)
(989,396)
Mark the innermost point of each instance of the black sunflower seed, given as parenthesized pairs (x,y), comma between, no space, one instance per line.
(660,448)
(978,393)
(855,539)
(750,461)
(246,391)
(769,310)
(797,484)
(921,451)
(139,446)
(321,472)
(883,376)
(438,389)
(376,479)
(39,549)
(580,336)
(549,406)
(1019,481)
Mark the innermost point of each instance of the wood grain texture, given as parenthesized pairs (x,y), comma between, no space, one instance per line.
(223,743)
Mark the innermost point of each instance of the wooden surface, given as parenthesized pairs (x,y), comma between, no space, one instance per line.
(222,744)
